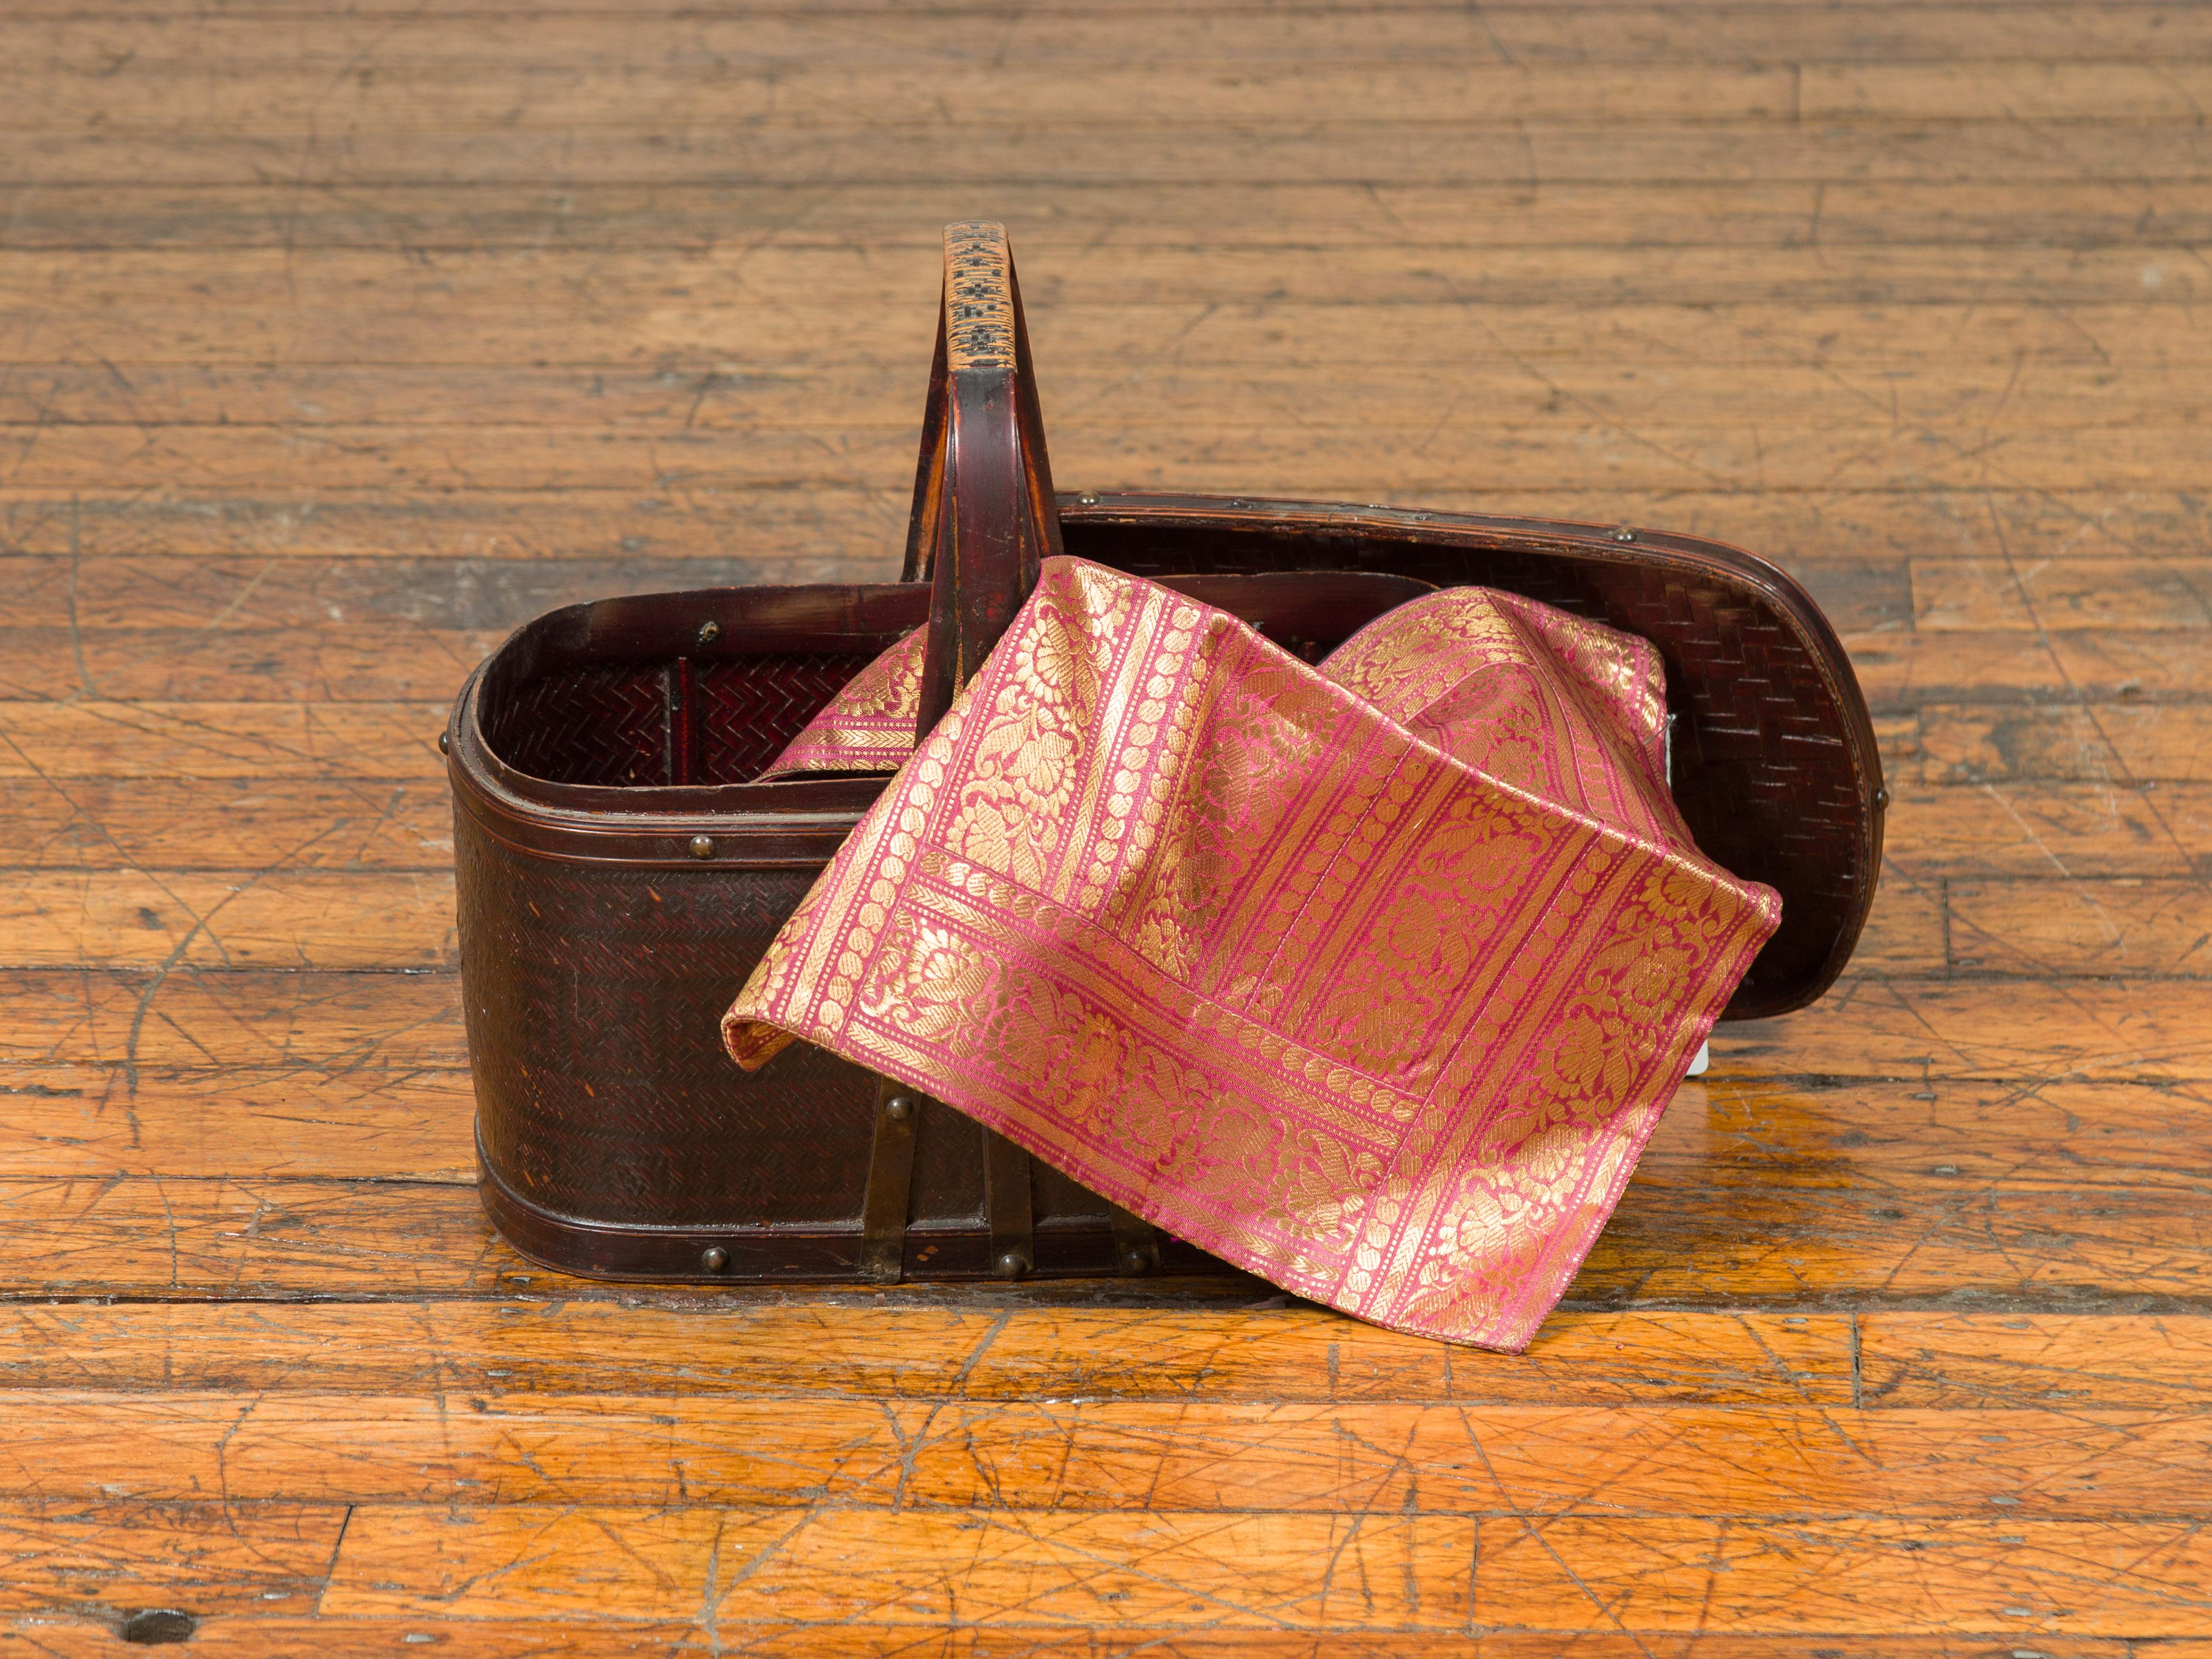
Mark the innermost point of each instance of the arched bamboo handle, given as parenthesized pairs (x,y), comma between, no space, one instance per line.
(983,512)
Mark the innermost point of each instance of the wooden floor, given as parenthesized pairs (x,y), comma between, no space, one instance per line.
(335,341)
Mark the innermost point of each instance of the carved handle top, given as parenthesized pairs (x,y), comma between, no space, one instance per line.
(979,298)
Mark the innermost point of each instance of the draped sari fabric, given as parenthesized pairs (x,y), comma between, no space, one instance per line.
(1372,978)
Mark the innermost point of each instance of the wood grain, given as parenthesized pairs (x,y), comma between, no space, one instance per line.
(333,1121)
(1168,150)
(1273,460)
(214,1556)
(1991,1359)
(482,1638)
(335,342)
(977,1459)
(872,1345)
(1723,1238)
(1160,1569)
(698,44)
(93,737)
(2022,1579)
(845,522)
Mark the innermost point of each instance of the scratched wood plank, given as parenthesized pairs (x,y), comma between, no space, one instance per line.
(2041,1360)
(1727,1241)
(1105,216)
(692,325)
(1374,1458)
(407,93)
(256,1236)
(1159,1569)
(2125,925)
(446,92)
(2156,1032)
(1716,1238)
(1191,149)
(370,662)
(2028,92)
(851,522)
(250,1637)
(1990,398)
(353,741)
(1939,1134)
(674,312)
(1904,932)
(2018,1579)
(2125,665)
(303,519)
(186,39)
(227,823)
(800,281)
(871,1345)
(361,1124)
(2062,593)
(2120,742)
(217,1557)
(184,1017)
(1333,462)
(2061,669)
(2037,827)
(1738,1460)
(79,1120)
(67,1633)
(167,600)
(1597,16)
(316,919)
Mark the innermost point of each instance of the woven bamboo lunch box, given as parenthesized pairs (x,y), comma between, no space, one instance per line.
(620,869)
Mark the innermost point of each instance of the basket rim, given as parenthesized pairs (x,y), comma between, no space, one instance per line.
(800,823)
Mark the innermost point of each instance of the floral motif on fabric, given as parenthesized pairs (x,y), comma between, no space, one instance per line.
(1372,978)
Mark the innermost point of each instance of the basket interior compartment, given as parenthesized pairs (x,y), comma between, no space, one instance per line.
(641,724)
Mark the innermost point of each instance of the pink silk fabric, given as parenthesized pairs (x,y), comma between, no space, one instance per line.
(1372,978)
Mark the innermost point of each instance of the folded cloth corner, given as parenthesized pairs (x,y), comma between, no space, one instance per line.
(1372,978)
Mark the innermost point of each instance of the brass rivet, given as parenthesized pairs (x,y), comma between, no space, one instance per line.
(709,632)
(1088,500)
(714,1258)
(1624,535)
(1136,1261)
(1011,1265)
(1881,799)
(702,846)
(445,743)
(897,1108)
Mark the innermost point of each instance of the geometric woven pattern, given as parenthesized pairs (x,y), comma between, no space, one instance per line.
(610,725)
(750,708)
(593,1019)
(603,726)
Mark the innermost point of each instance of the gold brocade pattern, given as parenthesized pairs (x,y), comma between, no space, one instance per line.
(869,725)
(1372,978)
